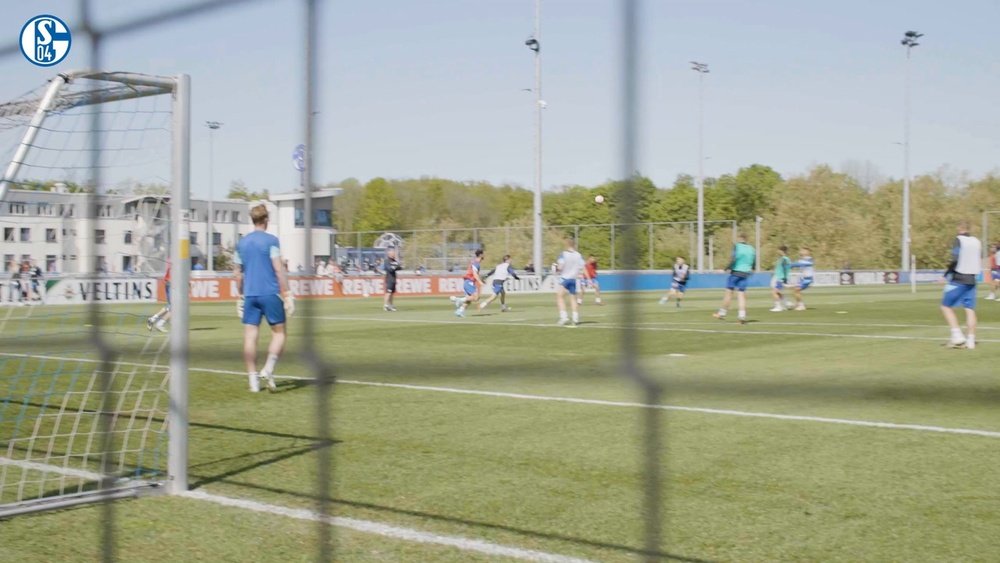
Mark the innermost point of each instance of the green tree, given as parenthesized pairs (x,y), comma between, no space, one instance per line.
(379,209)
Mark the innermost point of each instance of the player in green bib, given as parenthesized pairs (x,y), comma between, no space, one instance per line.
(782,269)
(740,268)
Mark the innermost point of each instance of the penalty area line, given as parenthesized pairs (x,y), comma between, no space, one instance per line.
(388,531)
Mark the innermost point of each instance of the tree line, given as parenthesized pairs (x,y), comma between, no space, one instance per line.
(846,224)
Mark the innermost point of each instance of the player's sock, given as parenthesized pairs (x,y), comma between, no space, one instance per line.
(252,377)
(598,300)
(161,325)
(970,341)
(956,336)
(742,315)
(576,318)
(269,364)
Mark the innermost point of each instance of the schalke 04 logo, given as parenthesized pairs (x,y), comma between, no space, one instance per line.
(45,40)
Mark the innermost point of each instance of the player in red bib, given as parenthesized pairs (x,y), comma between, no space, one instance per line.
(159,320)
(472,282)
(590,280)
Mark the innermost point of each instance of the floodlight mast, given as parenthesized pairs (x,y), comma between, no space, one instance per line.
(213,126)
(534,43)
(909,41)
(702,70)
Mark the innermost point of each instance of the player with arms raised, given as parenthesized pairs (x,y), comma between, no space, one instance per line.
(261,280)
(960,288)
(570,264)
(472,283)
(740,268)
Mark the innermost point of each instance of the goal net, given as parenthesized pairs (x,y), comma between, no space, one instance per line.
(85,392)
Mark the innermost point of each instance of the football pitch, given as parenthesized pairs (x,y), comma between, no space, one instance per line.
(846,432)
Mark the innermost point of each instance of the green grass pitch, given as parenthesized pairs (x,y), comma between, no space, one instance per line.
(460,445)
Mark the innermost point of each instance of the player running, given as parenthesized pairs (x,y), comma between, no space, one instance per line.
(740,268)
(960,288)
(472,284)
(806,264)
(782,269)
(392,266)
(570,264)
(678,285)
(261,280)
(500,273)
(159,320)
(994,272)
(589,276)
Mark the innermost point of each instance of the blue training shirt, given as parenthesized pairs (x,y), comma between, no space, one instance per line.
(254,253)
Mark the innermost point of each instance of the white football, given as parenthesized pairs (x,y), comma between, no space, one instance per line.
(599,199)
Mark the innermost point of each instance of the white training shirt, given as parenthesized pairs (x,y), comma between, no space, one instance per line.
(502,272)
(570,264)
(967,251)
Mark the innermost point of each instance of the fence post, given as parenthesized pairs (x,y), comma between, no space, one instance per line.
(444,249)
(691,241)
(612,246)
(650,246)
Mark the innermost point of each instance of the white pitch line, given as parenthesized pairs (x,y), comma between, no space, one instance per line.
(388,531)
(573,400)
(704,410)
(44,467)
(744,331)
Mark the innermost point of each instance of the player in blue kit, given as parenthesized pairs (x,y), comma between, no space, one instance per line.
(808,267)
(262,280)
(740,268)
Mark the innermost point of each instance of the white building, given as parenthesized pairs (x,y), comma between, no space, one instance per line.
(131,233)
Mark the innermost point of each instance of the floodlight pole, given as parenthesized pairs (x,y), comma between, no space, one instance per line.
(909,41)
(212,127)
(702,70)
(534,44)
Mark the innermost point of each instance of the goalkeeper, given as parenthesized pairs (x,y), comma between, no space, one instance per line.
(262,280)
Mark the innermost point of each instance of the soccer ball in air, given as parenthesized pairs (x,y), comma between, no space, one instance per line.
(599,199)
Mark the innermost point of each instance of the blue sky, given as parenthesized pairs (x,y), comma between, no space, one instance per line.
(435,87)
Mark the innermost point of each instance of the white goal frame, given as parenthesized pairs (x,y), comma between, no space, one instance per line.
(124,86)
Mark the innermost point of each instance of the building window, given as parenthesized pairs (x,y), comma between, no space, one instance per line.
(8,263)
(104,211)
(128,237)
(99,236)
(321,217)
(216,239)
(127,264)
(8,234)
(194,237)
(236,216)
(25,234)
(50,235)
(18,209)
(66,210)
(194,214)
(50,264)
(102,264)
(46,209)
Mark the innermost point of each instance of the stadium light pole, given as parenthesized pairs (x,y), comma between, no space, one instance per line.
(212,127)
(909,41)
(534,44)
(702,70)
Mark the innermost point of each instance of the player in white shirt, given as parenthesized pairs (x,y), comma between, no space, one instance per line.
(500,274)
(960,286)
(570,264)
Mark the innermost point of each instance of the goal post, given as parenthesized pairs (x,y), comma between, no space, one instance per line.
(55,451)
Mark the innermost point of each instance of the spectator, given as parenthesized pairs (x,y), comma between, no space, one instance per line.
(197,265)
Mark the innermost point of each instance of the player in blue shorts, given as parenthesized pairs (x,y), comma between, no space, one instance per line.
(808,267)
(569,265)
(960,287)
(262,280)
(501,274)
(678,283)
(471,284)
(740,268)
